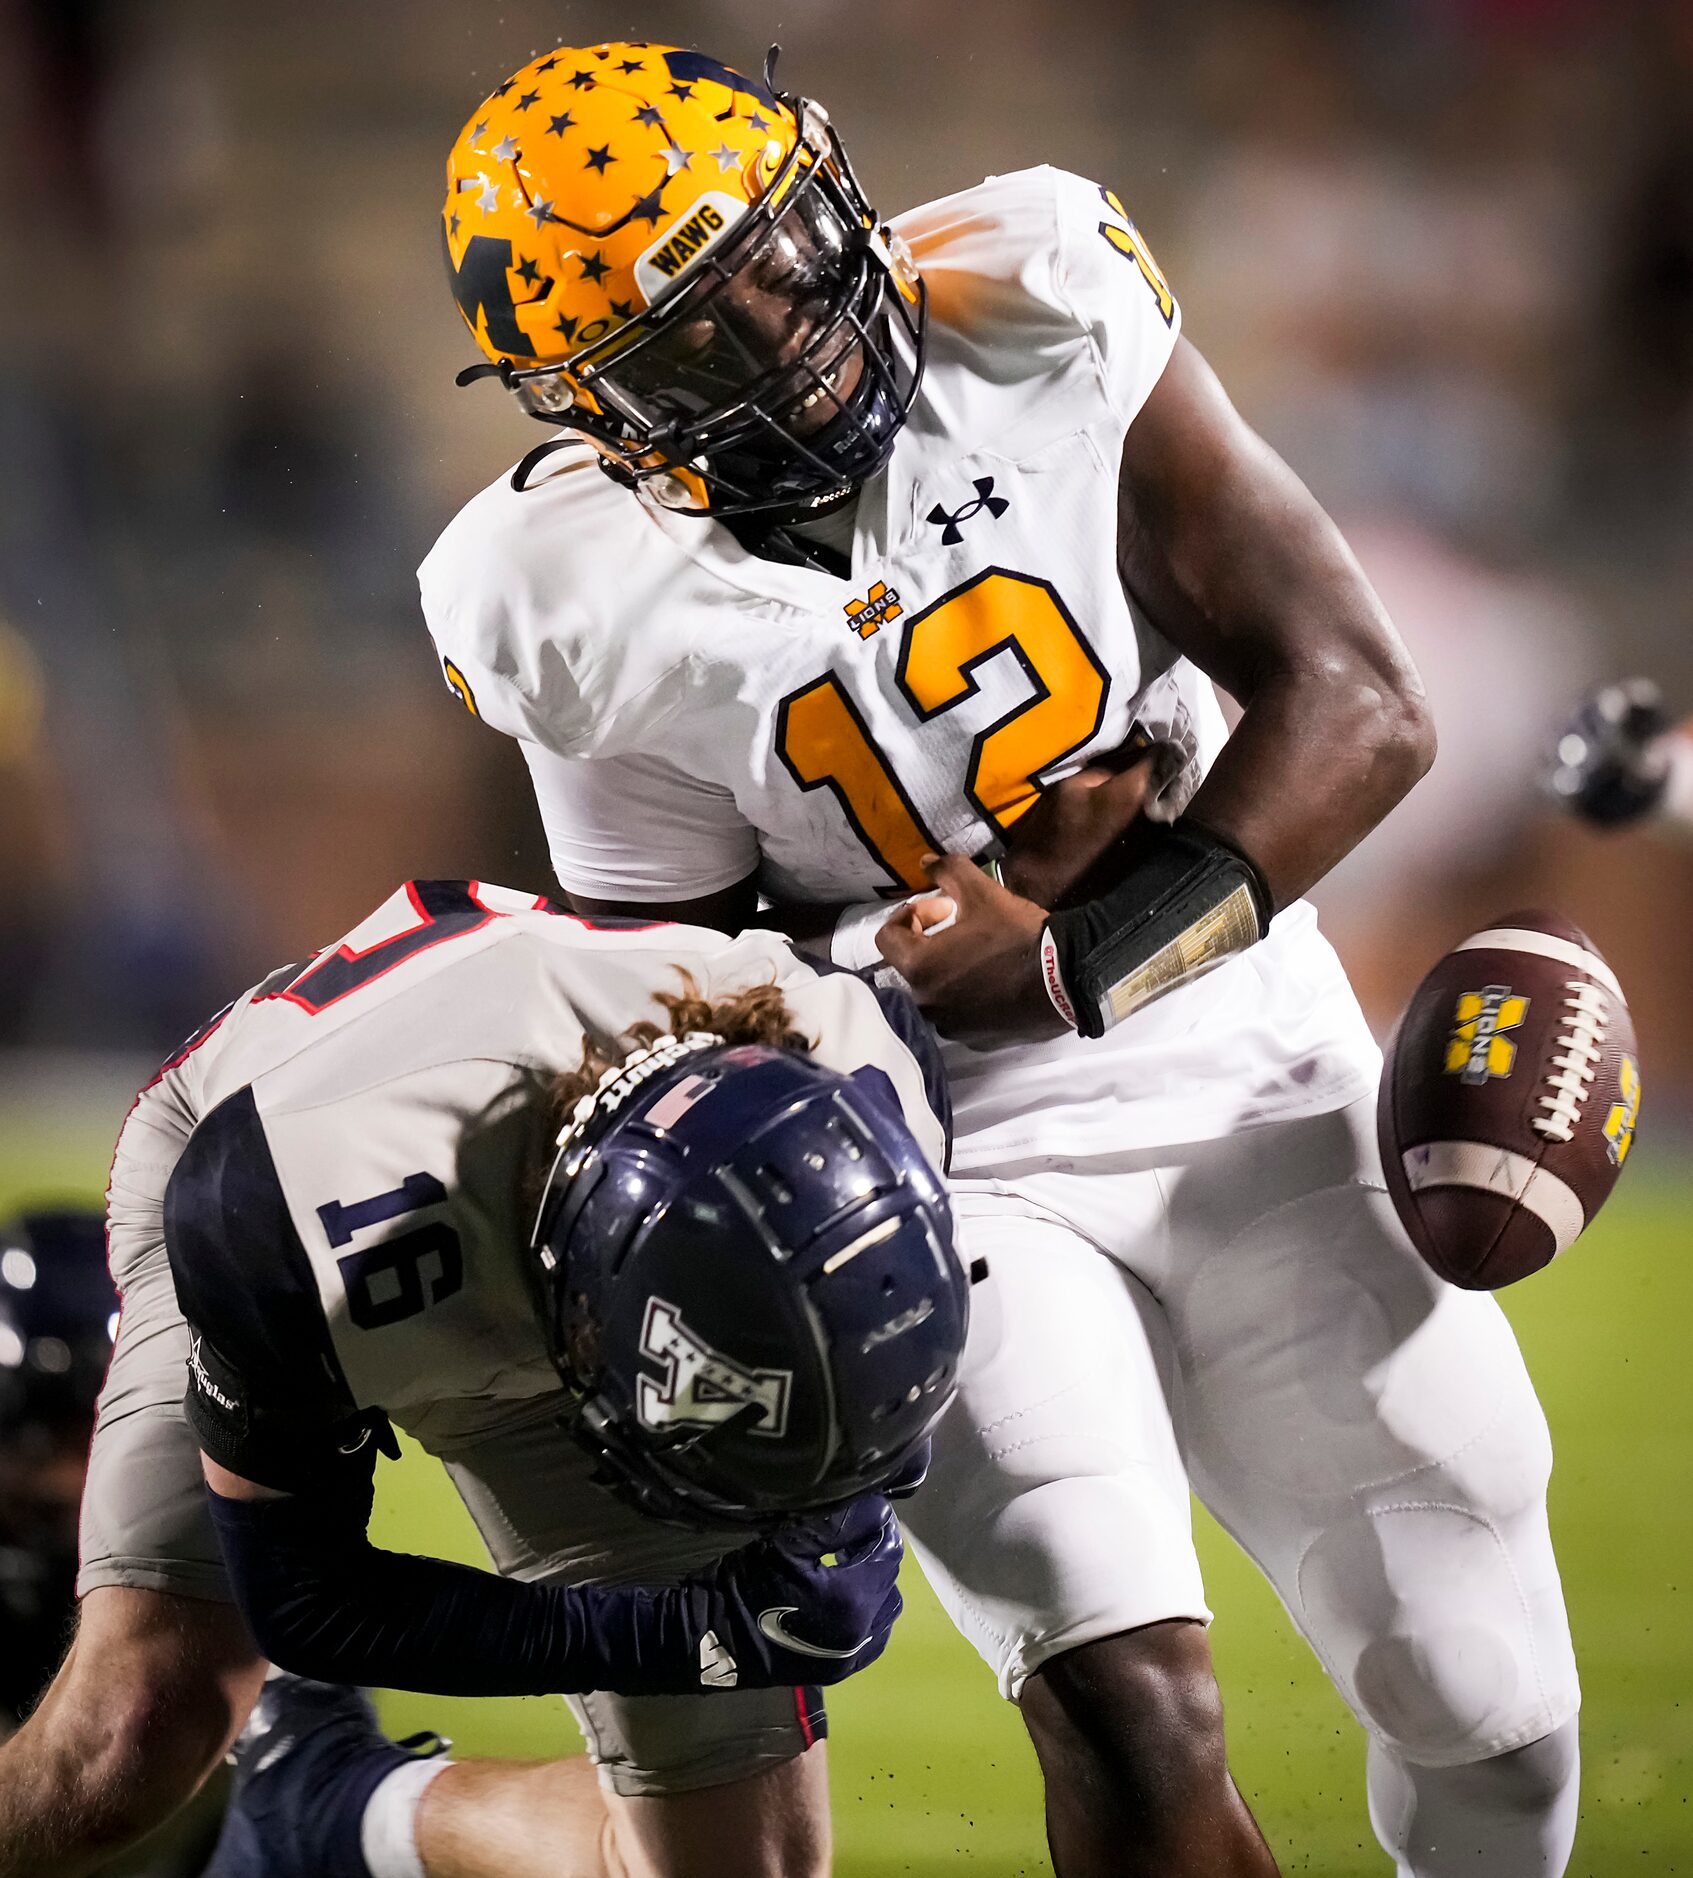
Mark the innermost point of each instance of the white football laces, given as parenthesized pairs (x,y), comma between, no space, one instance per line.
(1575,1062)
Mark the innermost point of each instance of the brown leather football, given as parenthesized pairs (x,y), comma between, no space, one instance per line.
(1508,1100)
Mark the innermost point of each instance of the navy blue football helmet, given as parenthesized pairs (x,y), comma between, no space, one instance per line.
(750,1283)
(58,1315)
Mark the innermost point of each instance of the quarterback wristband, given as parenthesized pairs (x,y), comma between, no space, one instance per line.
(1184,902)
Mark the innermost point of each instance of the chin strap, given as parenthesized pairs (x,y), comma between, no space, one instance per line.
(532,459)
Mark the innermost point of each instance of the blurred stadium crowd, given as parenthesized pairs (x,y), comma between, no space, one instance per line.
(1441,251)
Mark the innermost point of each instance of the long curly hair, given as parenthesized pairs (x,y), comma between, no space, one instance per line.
(757,1014)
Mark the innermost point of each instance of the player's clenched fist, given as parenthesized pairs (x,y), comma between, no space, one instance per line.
(976,972)
(1052,848)
(811,1604)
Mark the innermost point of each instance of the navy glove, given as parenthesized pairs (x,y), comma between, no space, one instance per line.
(775,1612)
(1609,766)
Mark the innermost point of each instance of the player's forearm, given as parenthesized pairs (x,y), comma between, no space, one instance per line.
(141,1711)
(323,1602)
(1241,569)
(1315,763)
(71,1800)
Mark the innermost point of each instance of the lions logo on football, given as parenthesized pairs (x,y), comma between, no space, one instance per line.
(1619,1124)
(1477,1049)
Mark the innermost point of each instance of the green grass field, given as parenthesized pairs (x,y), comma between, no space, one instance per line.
(930,1768)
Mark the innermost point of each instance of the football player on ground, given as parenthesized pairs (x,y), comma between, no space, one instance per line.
(1622,761)
(859,535)
(421,1181)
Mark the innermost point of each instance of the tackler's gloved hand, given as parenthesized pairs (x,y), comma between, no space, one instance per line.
(813,1603)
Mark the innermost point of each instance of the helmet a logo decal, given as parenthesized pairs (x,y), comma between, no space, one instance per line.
(701,1387)
(690,236)
(1477,1050)
(950,525)
(683,241)
(877,609)
(459,686)
(1619,1124)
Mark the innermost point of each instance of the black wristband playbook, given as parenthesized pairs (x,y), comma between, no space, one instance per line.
(1184,902)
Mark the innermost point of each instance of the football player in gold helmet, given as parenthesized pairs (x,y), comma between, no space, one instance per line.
(989,524)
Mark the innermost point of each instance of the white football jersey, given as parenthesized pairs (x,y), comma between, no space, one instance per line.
(692,712)
(353,1231)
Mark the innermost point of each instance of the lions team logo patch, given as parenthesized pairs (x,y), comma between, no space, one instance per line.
(701,1387)
(878,607)
(1478,1050)
(1619,1124)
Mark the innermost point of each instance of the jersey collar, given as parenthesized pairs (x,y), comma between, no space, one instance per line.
(710,546)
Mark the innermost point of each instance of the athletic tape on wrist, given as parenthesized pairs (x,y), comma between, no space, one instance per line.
(852,944)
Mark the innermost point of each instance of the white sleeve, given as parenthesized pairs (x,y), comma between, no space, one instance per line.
(1115,290)
(634,828)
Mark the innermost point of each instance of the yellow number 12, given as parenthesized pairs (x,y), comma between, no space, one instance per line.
(824,742)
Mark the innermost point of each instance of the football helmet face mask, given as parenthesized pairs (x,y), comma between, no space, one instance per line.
(749,1284)
(744,338)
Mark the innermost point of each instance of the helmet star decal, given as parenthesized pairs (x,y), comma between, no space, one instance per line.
(562,98)
(647,209)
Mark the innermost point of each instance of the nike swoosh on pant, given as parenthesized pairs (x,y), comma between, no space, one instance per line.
(771,1623)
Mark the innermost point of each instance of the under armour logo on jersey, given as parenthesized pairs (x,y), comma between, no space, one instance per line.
(949,525)
(701,1387)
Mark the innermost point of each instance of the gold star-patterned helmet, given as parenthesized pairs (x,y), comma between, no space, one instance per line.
(676,264)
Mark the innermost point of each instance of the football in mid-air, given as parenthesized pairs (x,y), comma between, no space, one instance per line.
(1508,1100)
